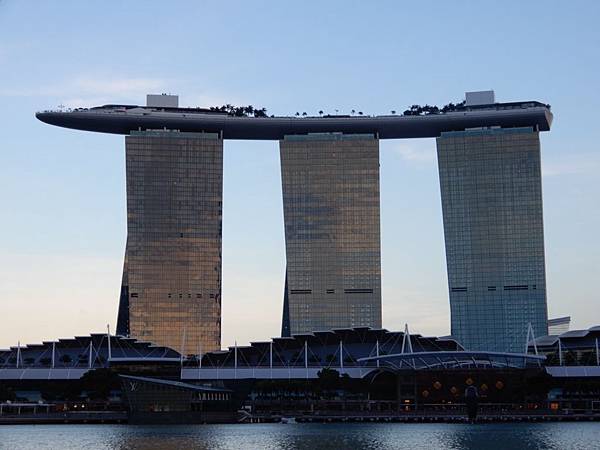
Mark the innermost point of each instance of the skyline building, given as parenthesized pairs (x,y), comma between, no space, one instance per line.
(171,285)
(330,186)
(491,189)
(490,181)
(559,325)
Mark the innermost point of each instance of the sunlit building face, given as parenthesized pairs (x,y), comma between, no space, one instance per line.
(332,232)
(171,290)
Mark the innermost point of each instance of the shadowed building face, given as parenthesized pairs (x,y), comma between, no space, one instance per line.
(332,232)
(171,291)
(493,223)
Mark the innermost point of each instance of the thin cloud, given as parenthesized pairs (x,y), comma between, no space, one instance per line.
(118,86)
(421,151)
(576,165)
(91,90)
(88,90)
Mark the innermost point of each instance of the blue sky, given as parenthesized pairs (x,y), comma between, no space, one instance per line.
(63,227)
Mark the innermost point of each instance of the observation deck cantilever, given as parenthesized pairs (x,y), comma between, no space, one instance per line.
(122,119)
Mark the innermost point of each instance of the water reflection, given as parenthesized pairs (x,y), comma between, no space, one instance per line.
(303,436)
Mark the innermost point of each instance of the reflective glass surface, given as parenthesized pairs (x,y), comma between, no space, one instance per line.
(172,273)
(493,224)
(332,231)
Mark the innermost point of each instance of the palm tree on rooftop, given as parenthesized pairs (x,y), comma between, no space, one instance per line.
(260,112)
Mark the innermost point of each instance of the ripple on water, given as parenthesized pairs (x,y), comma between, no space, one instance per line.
(526,436)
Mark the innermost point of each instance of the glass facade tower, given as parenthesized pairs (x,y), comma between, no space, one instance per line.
(493,224)
(171,288)
(332,232)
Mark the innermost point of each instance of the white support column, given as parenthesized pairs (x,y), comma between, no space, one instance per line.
(306,355)
(377,351)
(341,355)
(271,358)
(108,337)
(235,360)
(91,354)
(53,353)
(18,352)
(560,358)
(530,338)
(406,343)
(182,347)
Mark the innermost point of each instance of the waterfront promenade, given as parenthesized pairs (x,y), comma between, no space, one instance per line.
(382,412)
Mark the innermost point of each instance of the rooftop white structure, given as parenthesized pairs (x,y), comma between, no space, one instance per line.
(162,101)
(476,98)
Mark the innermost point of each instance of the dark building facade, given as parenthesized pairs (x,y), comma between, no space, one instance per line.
(332,232)
(491,191)
(572,348)
(155,400)
(171,288)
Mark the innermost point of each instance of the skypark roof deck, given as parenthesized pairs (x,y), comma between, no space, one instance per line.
(123,119)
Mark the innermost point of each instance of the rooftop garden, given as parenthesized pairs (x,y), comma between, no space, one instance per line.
(414,110)
(241,111)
